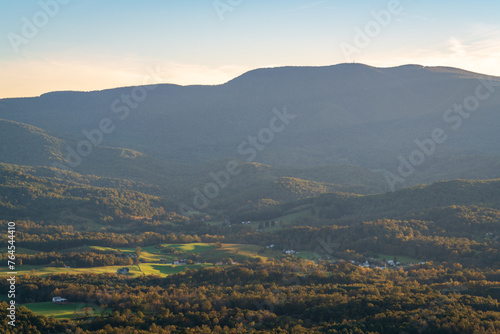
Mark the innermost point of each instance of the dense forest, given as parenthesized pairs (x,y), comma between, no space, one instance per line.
(422,259)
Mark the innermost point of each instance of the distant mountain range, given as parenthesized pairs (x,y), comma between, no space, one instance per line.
(321,128)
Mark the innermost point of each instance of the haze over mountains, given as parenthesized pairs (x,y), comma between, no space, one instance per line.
(335,128)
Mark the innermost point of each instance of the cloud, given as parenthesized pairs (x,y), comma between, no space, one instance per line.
(477,51)
(456,47)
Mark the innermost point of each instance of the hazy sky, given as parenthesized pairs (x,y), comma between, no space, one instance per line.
(52,45)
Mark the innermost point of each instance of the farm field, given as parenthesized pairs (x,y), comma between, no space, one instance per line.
(154,260)
(165,269)
(134,270)
(157,252)
(63,311)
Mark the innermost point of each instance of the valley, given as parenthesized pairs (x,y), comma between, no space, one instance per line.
(312,199)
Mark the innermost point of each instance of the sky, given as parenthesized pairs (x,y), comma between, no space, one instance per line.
(53,45)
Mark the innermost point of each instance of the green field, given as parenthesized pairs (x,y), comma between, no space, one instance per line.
(134,270)
(190,248)
(165,269)
(154,254)
(46,270)
(150,257)
(64,311)
(308,255)
(289,220)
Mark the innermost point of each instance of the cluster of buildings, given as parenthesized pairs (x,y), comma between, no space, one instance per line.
(388,264)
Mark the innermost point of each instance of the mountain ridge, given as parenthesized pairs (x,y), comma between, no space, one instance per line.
(351,114)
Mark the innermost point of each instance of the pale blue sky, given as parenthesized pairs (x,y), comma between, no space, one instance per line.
(97,44)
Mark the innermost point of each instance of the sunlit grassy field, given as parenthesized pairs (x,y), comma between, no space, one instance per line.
(63,311)
(150,257)
(46,270)
(165,269)
(153,254)
(134,270)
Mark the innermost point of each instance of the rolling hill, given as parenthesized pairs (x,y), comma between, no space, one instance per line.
(36,152)
(441,199)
